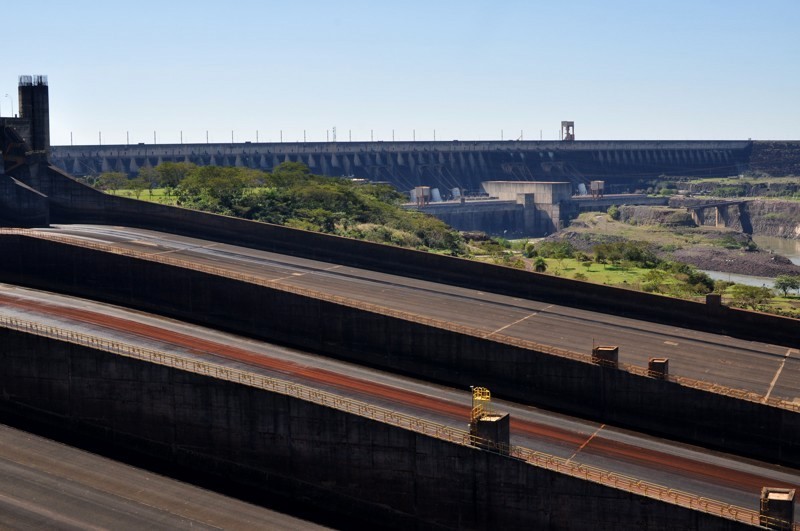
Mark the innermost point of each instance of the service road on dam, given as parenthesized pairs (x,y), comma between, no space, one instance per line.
(705,473)
(766,369)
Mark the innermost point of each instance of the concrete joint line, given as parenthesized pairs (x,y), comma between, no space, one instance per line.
(185,249)
(777,375)
(490,334)
(587,441)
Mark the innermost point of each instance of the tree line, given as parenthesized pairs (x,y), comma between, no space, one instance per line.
(291,195)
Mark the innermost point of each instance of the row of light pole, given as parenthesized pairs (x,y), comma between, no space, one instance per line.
(328,137)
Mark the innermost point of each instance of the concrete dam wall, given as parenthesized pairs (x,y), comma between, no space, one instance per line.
(524,372)
(376,474)
(21,206)
(444,165)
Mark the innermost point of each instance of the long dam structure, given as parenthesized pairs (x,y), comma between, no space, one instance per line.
(441,164)
(337,373)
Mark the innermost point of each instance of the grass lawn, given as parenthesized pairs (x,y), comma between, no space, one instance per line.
(610,274)
(157,195)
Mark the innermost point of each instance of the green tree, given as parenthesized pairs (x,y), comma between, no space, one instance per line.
(556,249)
(171,174)
(151,177)
(215,188)
(530,250)
(137,186)
(613,212)
(288,173)
(746,296)
(291,195)
(540,265)
(696,280)
(609,252)
(112,181)
(786,282)
(653,280)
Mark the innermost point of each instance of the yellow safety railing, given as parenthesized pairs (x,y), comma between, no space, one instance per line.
(481,394)
(401,420)
(710,387)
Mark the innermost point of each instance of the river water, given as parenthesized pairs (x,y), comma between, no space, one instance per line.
(788,248)
(783,246)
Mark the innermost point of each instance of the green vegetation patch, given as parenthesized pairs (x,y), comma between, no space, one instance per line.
(291,195)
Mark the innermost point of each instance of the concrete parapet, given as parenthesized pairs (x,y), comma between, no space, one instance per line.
(606,356)
(658,368)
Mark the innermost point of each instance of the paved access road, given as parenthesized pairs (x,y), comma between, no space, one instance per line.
(768,369)
(48,485)
(695,470)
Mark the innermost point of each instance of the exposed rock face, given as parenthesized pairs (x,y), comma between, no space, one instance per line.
(775,218)
(647,215)
(767,217)
(776,158)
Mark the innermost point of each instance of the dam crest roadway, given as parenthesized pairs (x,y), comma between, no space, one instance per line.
(712,475)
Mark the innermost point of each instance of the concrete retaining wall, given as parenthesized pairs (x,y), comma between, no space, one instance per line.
(378,475)
(491,217)
(21,206)
(612,396)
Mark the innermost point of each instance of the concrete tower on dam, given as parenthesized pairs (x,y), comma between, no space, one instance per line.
(24,140)
(444,165)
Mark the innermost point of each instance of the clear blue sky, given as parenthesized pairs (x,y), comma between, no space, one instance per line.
(469,69)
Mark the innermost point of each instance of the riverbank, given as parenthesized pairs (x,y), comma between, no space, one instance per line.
(707,248)
(752,263)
